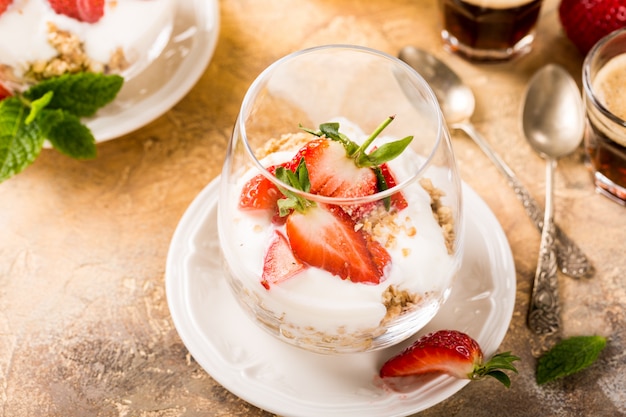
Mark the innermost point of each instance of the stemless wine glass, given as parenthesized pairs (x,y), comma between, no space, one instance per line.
(369,261)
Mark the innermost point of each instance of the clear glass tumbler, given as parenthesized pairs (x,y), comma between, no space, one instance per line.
(604,94)
(340,216)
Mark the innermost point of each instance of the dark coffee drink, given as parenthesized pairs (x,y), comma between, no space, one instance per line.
(489,29)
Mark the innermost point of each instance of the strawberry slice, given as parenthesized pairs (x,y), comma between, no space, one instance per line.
(4,92)
(279,263)
(587,21)
(259,193)
(332,173)
(450,352)
(89,11)
(326,238)
(397,200)
(4,4)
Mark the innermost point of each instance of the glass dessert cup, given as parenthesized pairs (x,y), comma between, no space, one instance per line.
(334,258)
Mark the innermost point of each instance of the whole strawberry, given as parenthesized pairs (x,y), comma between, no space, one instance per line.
(4,4)
(585,22)
(89,11)
(450,352)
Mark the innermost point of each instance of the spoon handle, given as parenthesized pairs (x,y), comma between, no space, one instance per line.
(570,258)
(544,311)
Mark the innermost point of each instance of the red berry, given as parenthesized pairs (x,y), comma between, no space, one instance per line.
(397,200)
(450,352)
(326,238)
(585,22)
(332,173)
(279,263)
(89,11)
(4,92)
(4,4)
(259,193)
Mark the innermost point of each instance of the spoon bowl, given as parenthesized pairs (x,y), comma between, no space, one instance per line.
(553,116)
(457,104)
(553,125)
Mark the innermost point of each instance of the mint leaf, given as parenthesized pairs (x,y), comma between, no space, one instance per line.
(389,151)
(20,143)
(568,357)
(52,110)
(68,135)
(81,94)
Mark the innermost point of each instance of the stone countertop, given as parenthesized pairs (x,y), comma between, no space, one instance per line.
(85,326)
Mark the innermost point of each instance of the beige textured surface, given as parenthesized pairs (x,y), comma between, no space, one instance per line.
(84,324)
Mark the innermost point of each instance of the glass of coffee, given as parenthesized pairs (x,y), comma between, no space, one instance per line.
(489,30)
(604,94)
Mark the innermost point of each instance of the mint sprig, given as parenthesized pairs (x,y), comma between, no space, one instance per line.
(568,357)
(298,180)
(379,156)
(52,110)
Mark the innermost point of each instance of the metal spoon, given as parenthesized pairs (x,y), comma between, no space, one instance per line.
(553,124)
(457,104)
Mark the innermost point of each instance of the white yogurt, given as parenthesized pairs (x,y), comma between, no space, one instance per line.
(321,302)
(141,27)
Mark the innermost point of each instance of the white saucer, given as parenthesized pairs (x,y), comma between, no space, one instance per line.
(288,381)
(169,78)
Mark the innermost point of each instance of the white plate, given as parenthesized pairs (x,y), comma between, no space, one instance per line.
(288,381)
(169,78)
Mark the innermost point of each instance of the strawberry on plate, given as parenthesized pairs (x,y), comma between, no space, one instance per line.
(450,352)
(89,11)
(585,22)
(4,4)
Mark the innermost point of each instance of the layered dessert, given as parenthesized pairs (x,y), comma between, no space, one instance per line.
(336,268)
(48,38)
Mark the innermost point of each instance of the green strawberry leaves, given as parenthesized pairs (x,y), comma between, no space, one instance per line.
(495,366)
(568,357)
(52,110)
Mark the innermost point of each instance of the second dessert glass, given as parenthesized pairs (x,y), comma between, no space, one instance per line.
(355,270)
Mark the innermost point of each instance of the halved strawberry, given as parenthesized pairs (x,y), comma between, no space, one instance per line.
(4,4)
(587,21)
(332,173)
(450,352)
(325,237)
(89,11)
(279,263)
